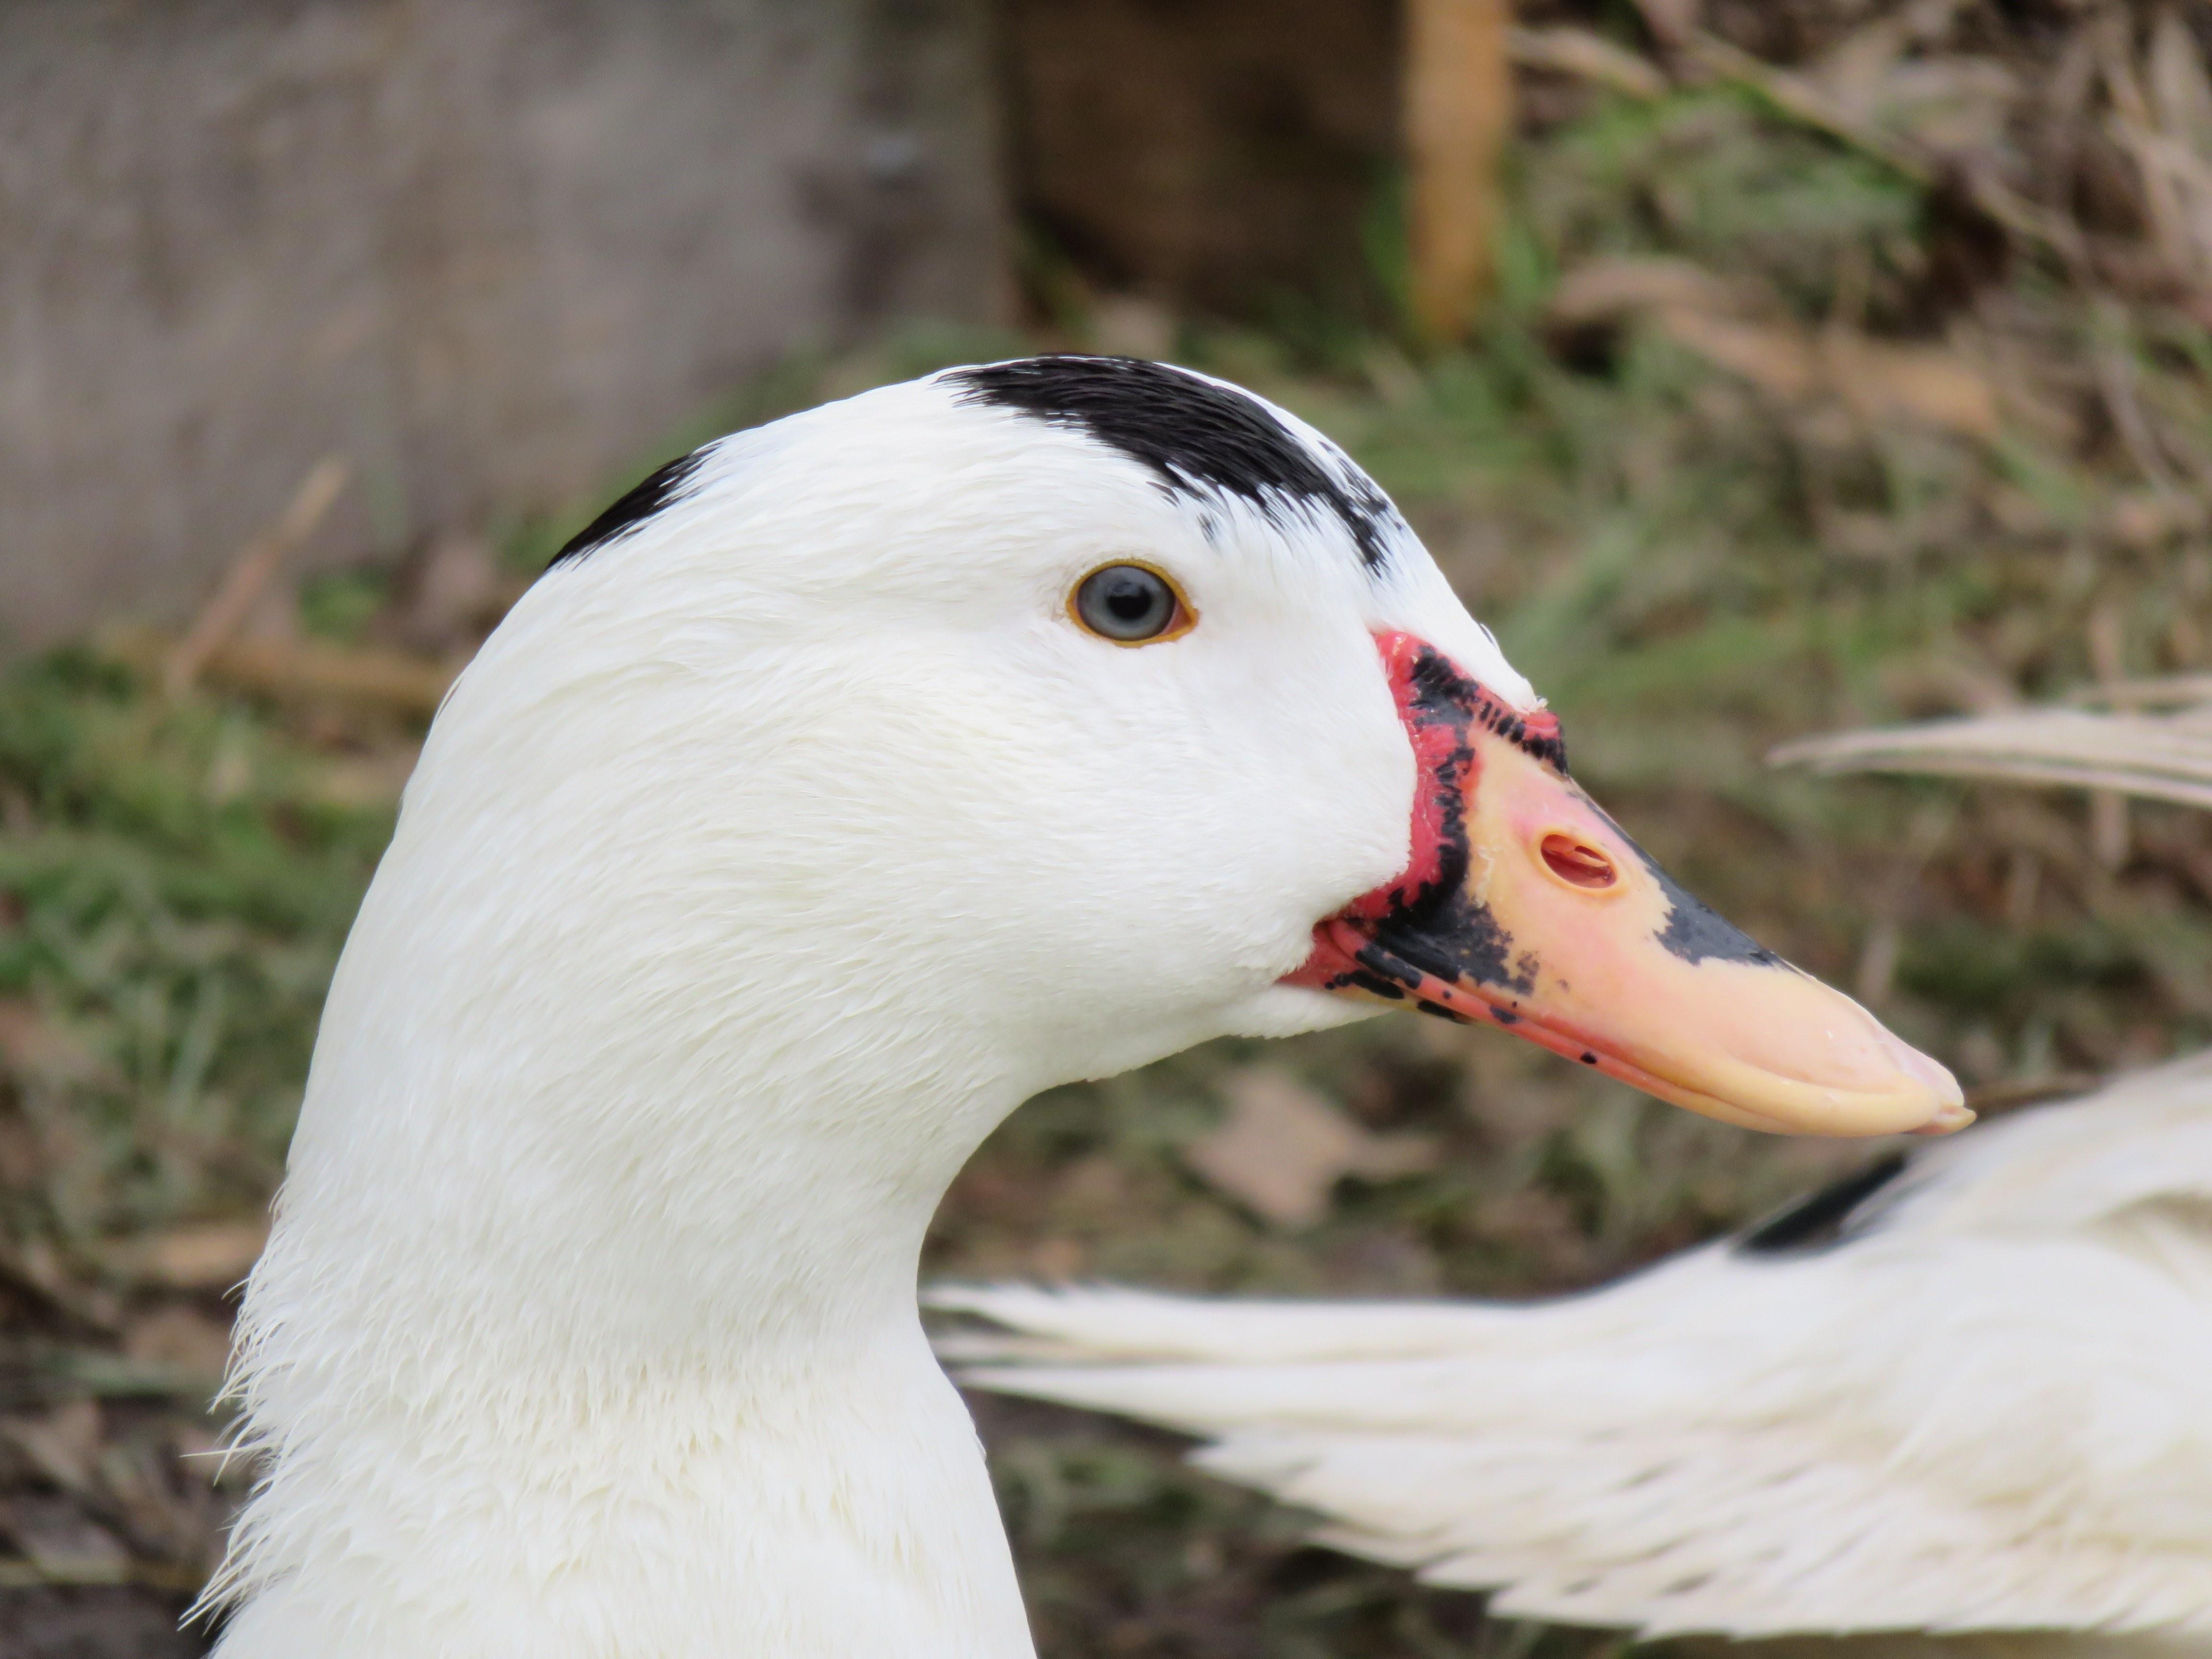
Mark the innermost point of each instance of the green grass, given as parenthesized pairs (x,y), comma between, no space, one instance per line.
(174,888)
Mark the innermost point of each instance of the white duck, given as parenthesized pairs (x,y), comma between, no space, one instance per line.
(849,781)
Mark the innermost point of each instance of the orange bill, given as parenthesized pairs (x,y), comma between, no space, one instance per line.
(1526,908)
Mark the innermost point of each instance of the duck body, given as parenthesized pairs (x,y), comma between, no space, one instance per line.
(1964,1393)
(798,824)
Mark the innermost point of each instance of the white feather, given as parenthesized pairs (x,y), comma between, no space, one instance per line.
(1989,1407)
(2162,756)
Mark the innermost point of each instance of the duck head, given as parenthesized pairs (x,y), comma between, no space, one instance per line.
(1100,707)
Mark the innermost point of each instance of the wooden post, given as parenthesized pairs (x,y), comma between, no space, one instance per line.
(1459,109)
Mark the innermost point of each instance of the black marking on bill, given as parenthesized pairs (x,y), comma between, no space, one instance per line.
(1454,939)
(1438,687)
(1437,929)
(632,508)
(1821,1218)
(1194,434)
(1373,984)
(1695,932)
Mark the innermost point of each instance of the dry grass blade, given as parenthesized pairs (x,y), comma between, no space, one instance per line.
(210,1256)
(1805,101)
(2165,692)
(309,668)
(1931,384)
(2162,757)
(1602,289)
(1878,380)
(297,670)
(1814,105)
(17,1573)
(250,573)
(1587,57)
(2161,118)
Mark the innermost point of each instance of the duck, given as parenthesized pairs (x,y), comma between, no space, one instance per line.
(1951,1406)
(845,782)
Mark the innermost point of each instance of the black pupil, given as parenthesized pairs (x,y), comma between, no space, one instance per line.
(1126,602)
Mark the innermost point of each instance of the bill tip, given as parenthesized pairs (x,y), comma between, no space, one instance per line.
(1950,1116)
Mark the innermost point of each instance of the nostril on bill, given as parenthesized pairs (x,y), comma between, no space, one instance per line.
(1575,862)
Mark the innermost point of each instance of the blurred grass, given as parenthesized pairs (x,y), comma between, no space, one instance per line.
(174,888)
(1691,570)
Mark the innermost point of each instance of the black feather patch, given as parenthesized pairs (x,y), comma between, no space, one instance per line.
(1821,1218)
(1194,434)
(639,502)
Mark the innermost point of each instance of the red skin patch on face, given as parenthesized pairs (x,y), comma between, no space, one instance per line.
(1440,729)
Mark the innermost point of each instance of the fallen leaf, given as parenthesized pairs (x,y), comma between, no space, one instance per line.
(1780,361)
(31,1046)
(1601,289)
(1929,383)
(213,1256)
(2145,519)
(1936,386)
(1283,1148)
(179,1337)
(1932,385)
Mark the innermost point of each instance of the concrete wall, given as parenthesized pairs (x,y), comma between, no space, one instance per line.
(493,251)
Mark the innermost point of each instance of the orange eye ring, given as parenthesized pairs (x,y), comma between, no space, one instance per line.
(1131,603)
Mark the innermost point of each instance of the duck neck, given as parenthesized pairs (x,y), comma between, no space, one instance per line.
(605,1340)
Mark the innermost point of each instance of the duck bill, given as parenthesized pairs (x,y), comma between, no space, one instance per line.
(1525,907)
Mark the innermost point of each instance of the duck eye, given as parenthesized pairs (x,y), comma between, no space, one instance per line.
(1129,604)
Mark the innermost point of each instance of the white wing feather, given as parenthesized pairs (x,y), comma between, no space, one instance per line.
(2162,756)
(1989,1408)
